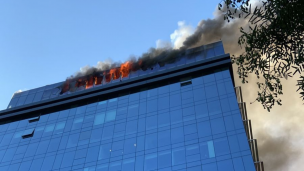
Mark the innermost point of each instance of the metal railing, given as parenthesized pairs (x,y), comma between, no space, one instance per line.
(259,165)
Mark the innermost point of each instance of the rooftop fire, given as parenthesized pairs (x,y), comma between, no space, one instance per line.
(145,64)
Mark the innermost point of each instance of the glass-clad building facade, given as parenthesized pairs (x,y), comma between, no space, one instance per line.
(190,122)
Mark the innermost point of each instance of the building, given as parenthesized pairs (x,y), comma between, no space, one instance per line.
(179,115)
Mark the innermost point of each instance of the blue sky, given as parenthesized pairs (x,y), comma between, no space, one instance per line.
(43,42)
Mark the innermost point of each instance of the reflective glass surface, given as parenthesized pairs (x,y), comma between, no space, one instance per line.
(193,126)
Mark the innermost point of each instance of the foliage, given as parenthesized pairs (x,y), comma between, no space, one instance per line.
(273,44)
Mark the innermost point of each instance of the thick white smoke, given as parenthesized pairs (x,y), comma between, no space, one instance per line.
(179,36)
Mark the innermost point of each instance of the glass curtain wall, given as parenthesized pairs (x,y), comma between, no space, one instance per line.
(191,125)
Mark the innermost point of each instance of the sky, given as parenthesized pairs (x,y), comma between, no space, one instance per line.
(44,42)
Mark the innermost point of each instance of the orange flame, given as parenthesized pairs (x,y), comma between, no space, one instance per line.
(80,83)
(89,82)
(107,76)
(115,73)
(125,68)
(98,80)
(66,86)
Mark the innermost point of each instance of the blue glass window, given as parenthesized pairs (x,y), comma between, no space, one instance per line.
(163,119)
(96,135)
(53,116)
(17,137)
(42,148)
(120,128)
(211,91)
(151,122)
(163,102)
(217,126)
(112,102)
(59,127)
(14,167)
(152,92)
(175,100)
(201,110)
(134,97)
(54,144)
(140,143)
(58,161)
(187,94)
(214,108)
(84,137)
(31,150)
(176,116)
(164,159)
(110,115)
(107,132)
(133,110)
(114,166)
(38,132)
(221,88)
(81,153)
(233,143)
(92,154)
(99,118)
(103,167)
(152,105)
(204,129)
(64,114)
(151,162)
(77,123)
(141,125)
(102,105)
(209,167)
(142,107)
(225,105)
(104,151)
(25,166)
(117,145)
(178,156)
(130,146)
(68,159)
(128,164)
(190,129)
(9,154)
(248,163)
(80,110)
(49,130)
(238,164)
(221,146)
(225,165)
(164,138)
(188,111)
(243,143)
(207,150)
(12,125)
(73,140)
(177,135)
(151,141)
(131,127)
